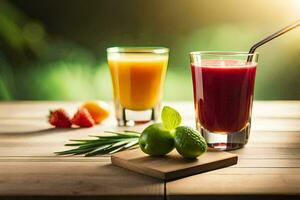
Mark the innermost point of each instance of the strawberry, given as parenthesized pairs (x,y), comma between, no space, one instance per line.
(59,118)
(83,118)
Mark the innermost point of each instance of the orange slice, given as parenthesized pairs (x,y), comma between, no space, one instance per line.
(98,110)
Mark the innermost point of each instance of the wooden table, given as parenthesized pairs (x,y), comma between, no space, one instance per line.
(268,167)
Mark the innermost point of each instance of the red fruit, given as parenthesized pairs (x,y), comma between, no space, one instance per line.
(83,118)
(59,118)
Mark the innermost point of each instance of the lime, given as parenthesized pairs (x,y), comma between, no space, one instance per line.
(155,140)
(189,143)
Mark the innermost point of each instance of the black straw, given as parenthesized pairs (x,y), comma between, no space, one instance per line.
(271,37)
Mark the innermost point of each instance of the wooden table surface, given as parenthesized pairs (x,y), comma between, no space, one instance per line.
(268,167)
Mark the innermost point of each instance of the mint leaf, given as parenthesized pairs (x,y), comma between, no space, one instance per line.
(171,119)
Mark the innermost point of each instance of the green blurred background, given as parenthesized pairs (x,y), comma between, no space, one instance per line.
(55,49)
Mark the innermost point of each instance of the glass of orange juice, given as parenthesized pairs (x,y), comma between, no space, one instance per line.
(138,75)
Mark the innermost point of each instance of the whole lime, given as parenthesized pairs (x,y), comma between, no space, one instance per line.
(189,143)
(155,140)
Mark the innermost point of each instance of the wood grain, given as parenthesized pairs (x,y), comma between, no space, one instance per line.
(268,167)
(235,186)
(75,179)
(262,144)
(172,166)
(29,169)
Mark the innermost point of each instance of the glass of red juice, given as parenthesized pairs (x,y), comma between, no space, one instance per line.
(223,85)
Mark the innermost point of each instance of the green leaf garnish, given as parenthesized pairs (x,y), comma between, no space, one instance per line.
(117,141)
(103,145)
(171,119)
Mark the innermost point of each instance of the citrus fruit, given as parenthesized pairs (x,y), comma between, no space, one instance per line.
(189,143)
(98,110)
(155,140)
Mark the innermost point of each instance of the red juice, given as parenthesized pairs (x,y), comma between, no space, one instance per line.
(223,94)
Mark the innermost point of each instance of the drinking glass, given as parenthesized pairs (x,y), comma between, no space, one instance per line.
(138,75)
(223,85)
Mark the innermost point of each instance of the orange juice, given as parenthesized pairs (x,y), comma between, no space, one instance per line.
(137,79)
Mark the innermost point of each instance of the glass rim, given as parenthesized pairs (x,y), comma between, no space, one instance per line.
(224,53)
(156,50)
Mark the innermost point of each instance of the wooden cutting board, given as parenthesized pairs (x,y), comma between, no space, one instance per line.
(172,166)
